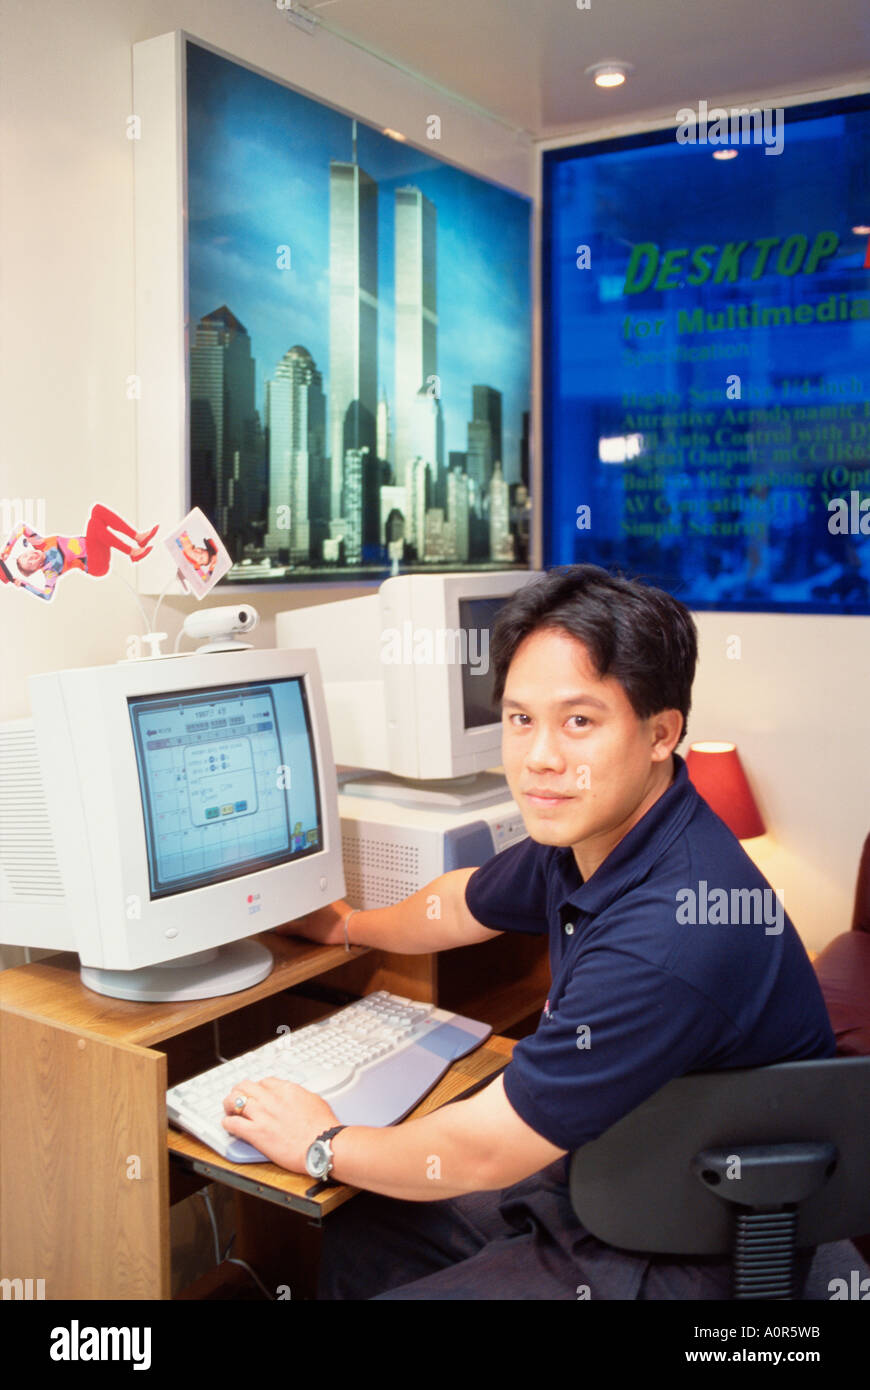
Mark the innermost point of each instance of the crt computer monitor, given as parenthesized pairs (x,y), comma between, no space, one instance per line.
(174,809)
(407,672)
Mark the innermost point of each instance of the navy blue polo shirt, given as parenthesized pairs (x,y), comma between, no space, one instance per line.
(664,962)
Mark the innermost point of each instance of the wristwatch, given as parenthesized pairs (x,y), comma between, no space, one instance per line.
(319,1159)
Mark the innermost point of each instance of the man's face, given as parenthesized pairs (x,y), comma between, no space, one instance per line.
(568,732)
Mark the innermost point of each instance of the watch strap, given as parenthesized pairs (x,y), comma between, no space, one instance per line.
(329,1133)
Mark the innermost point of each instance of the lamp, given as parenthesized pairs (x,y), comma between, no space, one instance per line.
(716,772)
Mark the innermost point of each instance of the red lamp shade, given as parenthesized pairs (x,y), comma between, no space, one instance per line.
(717,773)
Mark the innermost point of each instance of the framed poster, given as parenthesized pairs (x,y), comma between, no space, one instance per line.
(356,337)
(706,354)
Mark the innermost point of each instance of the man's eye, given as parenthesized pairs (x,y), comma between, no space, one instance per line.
(583,720)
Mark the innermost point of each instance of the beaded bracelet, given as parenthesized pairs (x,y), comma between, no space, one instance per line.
(344,924)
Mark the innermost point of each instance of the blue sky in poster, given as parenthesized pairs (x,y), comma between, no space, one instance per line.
(614,358)
(258,178)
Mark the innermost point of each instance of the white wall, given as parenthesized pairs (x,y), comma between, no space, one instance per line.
(797,704)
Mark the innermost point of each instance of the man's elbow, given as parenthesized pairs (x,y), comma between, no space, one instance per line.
(502,1164)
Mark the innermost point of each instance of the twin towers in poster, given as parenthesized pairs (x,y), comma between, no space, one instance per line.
(338,475)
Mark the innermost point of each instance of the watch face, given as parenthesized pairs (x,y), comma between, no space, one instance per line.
(317,1160)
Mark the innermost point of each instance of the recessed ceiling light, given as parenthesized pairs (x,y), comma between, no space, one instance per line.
(394,134)
(608,74)
(861,231)
(725,154)
(609,78)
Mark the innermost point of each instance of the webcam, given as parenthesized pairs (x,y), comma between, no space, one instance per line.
(219,627)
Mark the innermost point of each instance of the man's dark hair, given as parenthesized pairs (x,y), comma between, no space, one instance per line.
(639,635)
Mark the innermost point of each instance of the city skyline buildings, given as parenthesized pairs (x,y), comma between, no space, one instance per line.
(416,301)
(388,290)
(225,434)
(296,430)
(353,315)
(430,510)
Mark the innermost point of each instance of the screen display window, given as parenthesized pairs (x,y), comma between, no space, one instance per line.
(476,618)
(706,331)
(228,781)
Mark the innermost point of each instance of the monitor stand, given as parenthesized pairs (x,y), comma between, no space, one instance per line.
(203,975)
(451,793)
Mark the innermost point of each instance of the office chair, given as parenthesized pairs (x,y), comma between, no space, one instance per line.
(764,1163)
(843,970)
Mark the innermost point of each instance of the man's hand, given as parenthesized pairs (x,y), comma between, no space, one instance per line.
(281,1119)
(324,924)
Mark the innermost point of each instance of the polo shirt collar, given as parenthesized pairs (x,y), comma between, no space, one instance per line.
(637,852)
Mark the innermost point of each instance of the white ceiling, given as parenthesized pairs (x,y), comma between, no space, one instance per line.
(523,60)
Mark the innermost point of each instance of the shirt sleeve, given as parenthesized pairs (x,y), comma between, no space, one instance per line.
(47,593)
(509,891)
(622,1029)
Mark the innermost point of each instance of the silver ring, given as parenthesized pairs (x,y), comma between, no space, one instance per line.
(240,1102)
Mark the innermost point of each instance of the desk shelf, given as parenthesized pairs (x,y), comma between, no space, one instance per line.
(53,988)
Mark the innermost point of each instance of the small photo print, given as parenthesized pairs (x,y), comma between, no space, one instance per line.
(198,553)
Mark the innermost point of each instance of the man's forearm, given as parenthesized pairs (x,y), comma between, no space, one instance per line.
(422,1160)
(474,1145)
(433,919)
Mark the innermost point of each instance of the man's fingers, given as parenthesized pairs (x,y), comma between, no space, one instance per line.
(276,1086)
(243,1128)
(252,1089)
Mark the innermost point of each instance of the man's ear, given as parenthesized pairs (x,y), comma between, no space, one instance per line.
(666,728)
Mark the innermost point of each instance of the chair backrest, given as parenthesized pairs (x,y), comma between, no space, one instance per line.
(635,1188)
(861,914)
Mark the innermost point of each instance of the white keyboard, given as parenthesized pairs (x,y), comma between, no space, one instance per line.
(373,1061)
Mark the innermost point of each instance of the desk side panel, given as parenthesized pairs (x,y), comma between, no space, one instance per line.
(83,1163)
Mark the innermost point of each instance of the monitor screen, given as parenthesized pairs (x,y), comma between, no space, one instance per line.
(228,780)
(476,618)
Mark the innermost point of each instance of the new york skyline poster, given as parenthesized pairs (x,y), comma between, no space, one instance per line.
(359,342)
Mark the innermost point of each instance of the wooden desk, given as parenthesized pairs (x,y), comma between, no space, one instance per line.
(85,1183)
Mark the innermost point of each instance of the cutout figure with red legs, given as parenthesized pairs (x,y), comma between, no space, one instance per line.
(40,561)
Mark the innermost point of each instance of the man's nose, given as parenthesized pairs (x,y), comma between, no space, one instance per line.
(544,749)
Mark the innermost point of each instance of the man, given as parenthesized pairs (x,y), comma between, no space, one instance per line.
(593,674)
